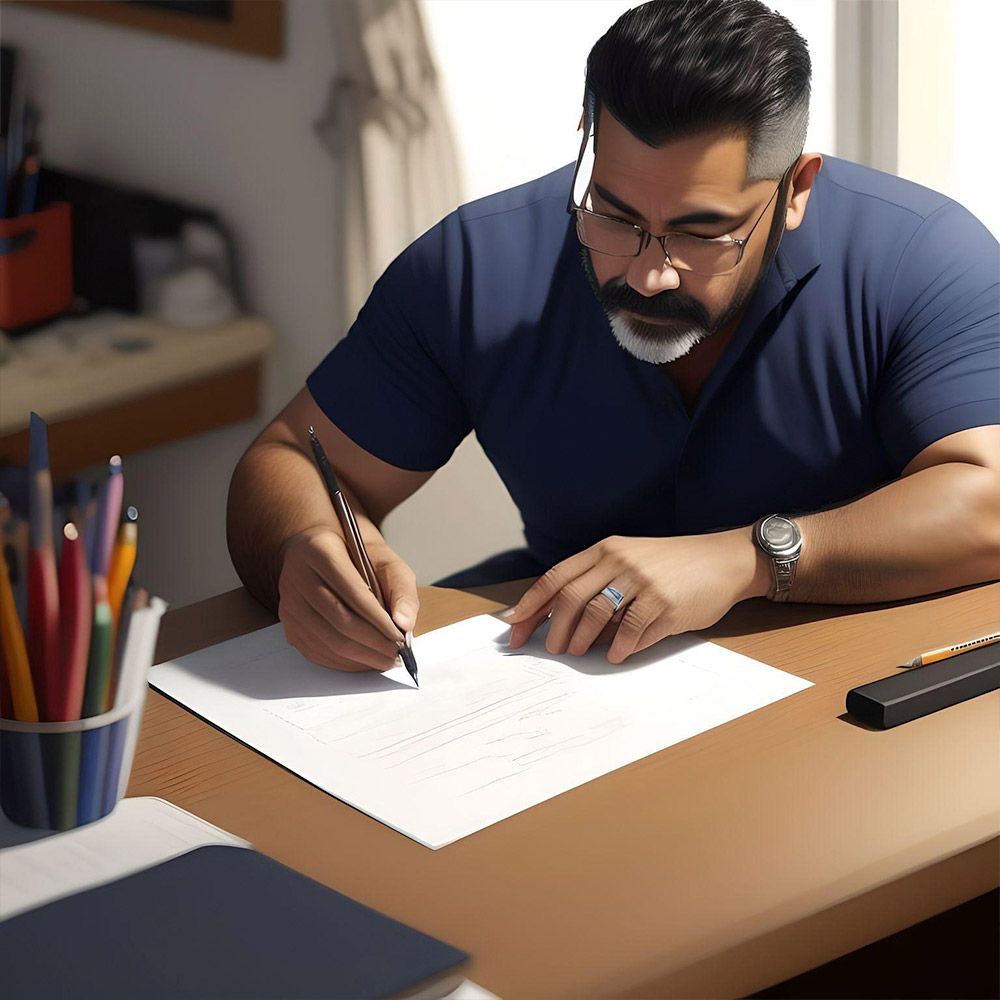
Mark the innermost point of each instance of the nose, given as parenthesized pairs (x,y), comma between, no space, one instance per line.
(651,273)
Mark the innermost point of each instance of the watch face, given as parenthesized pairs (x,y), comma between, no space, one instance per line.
(778,531)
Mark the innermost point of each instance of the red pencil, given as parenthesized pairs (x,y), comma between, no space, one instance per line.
(76,612)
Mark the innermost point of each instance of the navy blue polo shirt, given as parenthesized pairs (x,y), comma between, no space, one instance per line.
(874,333)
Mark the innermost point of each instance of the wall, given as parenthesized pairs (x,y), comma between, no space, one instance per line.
(947,98)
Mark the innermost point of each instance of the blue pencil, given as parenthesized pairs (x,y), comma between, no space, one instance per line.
(94,751)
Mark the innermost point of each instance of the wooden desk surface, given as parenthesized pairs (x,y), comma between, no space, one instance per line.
(717,867)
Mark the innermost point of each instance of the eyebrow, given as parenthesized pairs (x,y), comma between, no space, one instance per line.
(704,217)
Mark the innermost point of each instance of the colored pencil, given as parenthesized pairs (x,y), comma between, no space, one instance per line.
(43,586)
(76,613)
(95,748)
(19,549)
(99,656)
(141,648)
(23,777)
(121,640)
(109,511)
(122,562)
(15,657)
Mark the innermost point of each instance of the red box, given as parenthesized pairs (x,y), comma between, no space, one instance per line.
(36,265)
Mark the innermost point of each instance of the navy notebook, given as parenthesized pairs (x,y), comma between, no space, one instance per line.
(216,922)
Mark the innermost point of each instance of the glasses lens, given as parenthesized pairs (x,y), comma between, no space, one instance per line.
(617,239)
(702,256)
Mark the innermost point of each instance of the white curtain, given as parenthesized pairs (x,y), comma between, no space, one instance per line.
(386,126)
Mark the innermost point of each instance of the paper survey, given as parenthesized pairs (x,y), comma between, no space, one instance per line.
(491,730)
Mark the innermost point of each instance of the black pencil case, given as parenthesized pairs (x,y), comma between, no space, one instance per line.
(919,691)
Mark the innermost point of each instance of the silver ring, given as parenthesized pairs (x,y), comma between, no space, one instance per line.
(614,596)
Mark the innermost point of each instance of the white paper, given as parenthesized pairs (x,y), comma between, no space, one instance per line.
(140,833)
(490,732)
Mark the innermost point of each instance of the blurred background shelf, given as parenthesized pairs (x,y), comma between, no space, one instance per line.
(127,383)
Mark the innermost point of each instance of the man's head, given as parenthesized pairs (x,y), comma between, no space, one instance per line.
(700,109)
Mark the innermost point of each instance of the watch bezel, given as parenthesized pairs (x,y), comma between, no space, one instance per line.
(785,553)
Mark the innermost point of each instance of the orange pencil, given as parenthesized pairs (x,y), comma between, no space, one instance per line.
(76,613)
(122,562)
(15,656)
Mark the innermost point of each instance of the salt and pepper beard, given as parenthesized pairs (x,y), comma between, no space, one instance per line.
(658,343)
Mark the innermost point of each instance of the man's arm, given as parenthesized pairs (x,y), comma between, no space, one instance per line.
(277,493)
(934,528)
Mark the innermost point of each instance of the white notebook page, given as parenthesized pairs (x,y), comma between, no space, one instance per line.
(490,732)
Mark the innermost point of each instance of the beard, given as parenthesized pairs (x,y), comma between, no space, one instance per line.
(664,327)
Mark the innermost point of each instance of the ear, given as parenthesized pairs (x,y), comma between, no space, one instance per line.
(802,178)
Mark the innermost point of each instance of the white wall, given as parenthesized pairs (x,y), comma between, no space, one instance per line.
(948,138)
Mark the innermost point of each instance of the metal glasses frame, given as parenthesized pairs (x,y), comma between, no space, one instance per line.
(645,236)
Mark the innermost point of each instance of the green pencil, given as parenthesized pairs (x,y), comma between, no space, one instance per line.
(100,656)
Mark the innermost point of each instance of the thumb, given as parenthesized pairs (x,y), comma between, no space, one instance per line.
(399,585)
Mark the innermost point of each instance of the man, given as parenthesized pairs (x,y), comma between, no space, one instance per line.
(766,379)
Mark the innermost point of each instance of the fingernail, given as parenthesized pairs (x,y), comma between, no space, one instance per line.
(509,612)
(399,662)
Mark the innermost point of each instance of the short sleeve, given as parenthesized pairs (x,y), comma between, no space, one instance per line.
(391,384)
(941,373)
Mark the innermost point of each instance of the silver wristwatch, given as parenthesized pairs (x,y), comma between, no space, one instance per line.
(779,537)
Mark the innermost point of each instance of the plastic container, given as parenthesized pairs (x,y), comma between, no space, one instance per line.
(59,775)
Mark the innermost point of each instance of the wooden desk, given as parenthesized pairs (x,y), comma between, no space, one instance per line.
(717,867)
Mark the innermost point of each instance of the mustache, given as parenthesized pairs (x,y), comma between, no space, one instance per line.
(666,305)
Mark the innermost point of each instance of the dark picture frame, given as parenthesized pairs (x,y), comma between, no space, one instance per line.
(255,27)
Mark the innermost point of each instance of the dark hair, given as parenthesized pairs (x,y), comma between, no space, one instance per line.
(674,68)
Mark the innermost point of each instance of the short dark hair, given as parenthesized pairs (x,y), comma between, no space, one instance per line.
(669,69)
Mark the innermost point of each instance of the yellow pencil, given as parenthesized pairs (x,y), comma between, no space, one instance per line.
(933,655)
(15,654)
(122,561)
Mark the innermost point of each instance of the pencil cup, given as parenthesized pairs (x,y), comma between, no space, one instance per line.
(58,775)
(36,266)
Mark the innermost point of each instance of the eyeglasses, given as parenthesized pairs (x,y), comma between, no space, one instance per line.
(618,238)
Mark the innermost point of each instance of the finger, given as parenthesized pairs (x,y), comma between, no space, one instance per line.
(550,583)
(322,636)
(599,622)
(299,638)
(399,586)
(521,632)
(638,617)
(343,620)
(581,605)
(329,557)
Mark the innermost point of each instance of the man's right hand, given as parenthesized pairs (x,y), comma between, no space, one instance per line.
(329,614)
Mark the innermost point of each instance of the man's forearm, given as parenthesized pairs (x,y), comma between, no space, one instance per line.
(276,492)
(931,531)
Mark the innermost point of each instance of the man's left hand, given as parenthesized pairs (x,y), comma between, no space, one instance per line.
(670,585)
